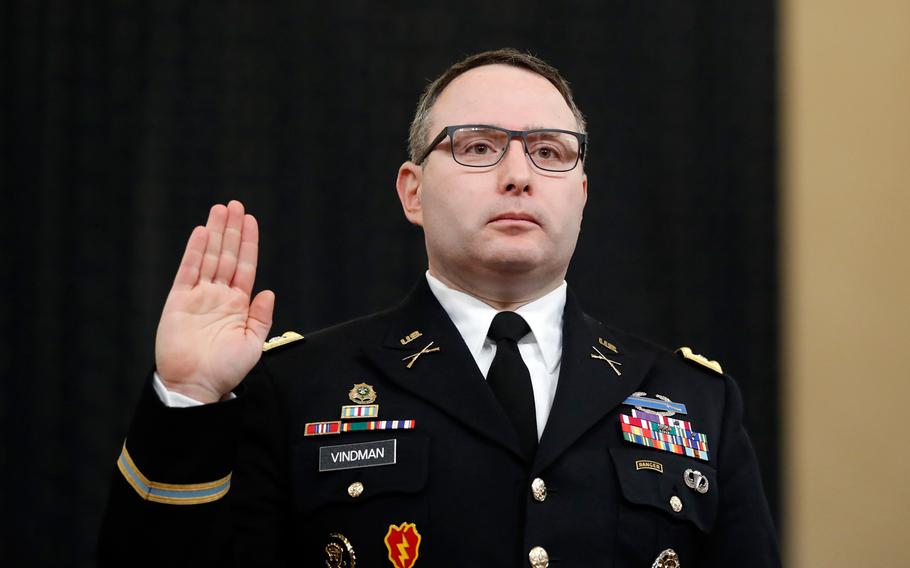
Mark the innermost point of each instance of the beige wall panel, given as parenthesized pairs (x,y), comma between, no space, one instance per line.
(846,288)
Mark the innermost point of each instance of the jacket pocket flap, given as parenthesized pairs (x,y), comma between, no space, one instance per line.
(652,478)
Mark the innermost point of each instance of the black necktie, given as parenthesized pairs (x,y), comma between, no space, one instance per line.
(510,380)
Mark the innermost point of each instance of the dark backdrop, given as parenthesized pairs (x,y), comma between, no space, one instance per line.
(123,121)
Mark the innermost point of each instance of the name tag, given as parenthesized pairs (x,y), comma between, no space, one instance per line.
(364,454)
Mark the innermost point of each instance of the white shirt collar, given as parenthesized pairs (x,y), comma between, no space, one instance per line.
(472,318)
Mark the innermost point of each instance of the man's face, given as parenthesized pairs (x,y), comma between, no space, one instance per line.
(505,221)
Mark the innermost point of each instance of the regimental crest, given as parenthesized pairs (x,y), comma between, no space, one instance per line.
(403,542)
(362,393)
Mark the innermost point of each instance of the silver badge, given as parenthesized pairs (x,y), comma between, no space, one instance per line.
(696,480)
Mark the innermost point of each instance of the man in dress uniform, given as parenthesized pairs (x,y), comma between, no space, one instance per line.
(485,421)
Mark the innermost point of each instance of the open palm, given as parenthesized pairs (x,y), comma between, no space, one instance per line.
(211,334)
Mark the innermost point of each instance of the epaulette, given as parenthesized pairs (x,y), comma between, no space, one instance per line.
(280,340)
(700,359)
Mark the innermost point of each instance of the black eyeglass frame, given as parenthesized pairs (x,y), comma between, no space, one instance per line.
(449,132)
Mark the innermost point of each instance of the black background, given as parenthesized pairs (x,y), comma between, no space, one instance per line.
(122,122)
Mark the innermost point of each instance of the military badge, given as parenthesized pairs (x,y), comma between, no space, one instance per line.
(410,337)
(701,360)
(283,339)
(658,405)
(411,359)
(649,464)
(696,480)
(403,542)
(608,345)
(613,364)
(362,393)
(666,559)
(339,553)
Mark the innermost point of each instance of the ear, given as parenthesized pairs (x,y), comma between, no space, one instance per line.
(408,184)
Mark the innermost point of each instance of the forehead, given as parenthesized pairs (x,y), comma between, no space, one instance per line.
(504,96)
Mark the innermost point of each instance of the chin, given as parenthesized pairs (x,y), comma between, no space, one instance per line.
(514,260)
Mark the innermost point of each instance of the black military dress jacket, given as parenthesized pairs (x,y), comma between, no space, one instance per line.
(458,475)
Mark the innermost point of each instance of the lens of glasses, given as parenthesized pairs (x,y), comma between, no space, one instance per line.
(483,146)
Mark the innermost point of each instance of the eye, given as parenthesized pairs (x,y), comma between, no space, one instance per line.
(547,153)
(478,148)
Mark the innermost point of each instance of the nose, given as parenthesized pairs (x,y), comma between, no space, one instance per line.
(515,169)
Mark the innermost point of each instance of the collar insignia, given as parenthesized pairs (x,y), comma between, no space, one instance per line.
(410,337)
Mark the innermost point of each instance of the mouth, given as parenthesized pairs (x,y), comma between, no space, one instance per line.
(515,217)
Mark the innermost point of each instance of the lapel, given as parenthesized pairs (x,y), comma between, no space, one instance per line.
(449,378)
(588,388)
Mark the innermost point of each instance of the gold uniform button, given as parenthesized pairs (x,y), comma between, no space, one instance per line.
(355,489)
(539,557)
(539,490)
(676,504)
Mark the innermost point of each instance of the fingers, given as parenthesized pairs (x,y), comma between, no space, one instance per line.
(226,251)
(260,318)
(191,263)
(218,215)
(247,259)
(230,243)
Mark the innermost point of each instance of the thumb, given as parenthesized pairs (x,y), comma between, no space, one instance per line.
(259,320)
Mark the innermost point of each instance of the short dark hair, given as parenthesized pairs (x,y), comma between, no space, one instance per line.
(419,135)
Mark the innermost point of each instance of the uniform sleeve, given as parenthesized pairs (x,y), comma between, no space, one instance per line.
(175,494)
(745,534)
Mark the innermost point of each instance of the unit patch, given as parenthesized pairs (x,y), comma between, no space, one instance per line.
(403,542)
(364,454)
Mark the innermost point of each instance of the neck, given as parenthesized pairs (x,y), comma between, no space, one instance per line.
(504,293)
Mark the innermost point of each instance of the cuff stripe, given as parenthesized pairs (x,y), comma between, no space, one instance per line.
(170,493)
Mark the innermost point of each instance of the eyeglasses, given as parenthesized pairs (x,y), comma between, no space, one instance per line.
(482,146)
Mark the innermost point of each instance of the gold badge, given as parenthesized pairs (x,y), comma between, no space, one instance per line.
(613,364)
(700,359)
(411,359)
(607,344)
(283,339)
(410,337)
(666,559)
(339,553)
(362,393)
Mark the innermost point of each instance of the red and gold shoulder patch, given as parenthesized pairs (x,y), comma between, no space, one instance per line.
(403,542)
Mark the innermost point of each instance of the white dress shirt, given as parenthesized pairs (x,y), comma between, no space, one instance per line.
(541,349)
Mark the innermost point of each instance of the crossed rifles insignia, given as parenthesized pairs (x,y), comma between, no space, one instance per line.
(411,359)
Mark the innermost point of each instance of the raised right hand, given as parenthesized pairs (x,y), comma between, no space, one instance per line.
(211,334)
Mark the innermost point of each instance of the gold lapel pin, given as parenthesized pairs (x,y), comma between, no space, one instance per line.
(412,358)
(608,345)
(410,337)
(613,364)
